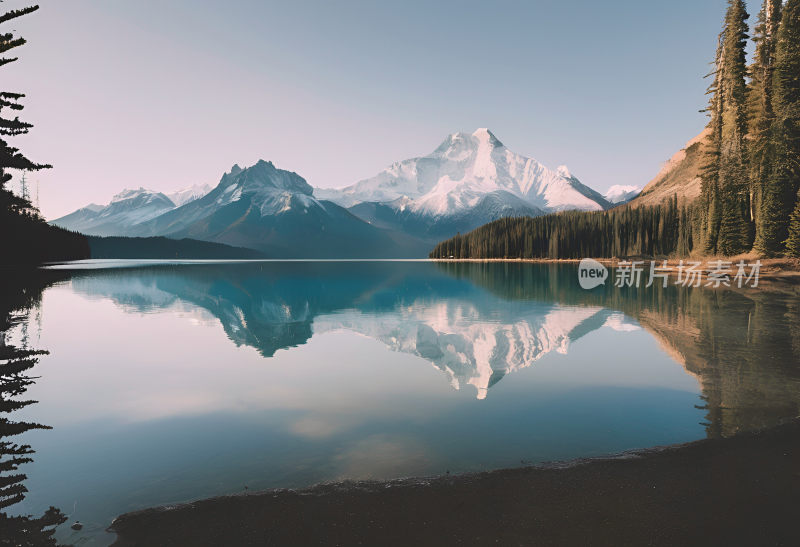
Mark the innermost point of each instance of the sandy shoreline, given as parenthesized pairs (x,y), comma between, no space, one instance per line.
(737,491)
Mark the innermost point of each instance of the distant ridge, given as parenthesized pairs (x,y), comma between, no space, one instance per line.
(165,248)
(127,209)
(679,176)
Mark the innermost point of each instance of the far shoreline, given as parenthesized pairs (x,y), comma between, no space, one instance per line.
(784,270)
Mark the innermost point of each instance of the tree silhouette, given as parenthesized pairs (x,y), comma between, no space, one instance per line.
(24,234)
(11,157)
(20,292)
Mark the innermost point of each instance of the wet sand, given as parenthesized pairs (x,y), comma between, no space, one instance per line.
(739,491)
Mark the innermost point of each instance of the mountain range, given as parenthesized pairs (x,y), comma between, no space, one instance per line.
(128,209)
(272,210)
(467,181)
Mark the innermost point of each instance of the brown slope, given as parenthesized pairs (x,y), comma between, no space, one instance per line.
(680,175)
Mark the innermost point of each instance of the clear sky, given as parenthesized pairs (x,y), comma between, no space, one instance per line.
(165,94)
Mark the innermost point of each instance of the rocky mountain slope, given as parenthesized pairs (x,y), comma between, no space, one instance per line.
(680,175)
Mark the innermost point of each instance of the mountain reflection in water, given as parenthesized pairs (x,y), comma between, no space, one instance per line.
(456,326)
(479,322)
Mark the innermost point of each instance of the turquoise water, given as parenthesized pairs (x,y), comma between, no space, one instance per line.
(172,382)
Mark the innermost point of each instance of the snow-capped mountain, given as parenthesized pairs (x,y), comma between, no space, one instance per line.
(190,193)
(126,210)
(273,210)
(621,194)
(458,176)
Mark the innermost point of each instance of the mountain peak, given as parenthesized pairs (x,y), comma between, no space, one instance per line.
(459,145)
(129,193)
(484,135)
(235,170)
(564,171)
(258,179)
(466,171)
(188,194)
(621,193)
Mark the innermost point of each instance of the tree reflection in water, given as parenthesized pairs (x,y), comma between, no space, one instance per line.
(743,345)
(21,292)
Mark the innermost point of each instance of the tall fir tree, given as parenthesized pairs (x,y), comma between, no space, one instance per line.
(735,229)
(10,157)
(707,221)
(761,111)
(793,241)
(780,191)
(785,180)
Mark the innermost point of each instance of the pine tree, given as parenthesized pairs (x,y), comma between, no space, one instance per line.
(785,181)
(707,228)
(10,157)
(780,192)
(793,241)
(735,229)
(761,112)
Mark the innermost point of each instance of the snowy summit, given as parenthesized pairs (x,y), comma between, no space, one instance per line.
(464,169)
(622,194)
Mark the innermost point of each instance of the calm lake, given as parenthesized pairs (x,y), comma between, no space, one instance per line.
(170,382)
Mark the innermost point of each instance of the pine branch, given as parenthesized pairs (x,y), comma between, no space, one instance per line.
(7,41)
(10,104)
(13,14)
(13,127)
(10,158)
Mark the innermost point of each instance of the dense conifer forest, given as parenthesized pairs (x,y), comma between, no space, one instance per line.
(750,179)
(624,231)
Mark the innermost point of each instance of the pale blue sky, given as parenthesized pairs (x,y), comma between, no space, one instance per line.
(168,94)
